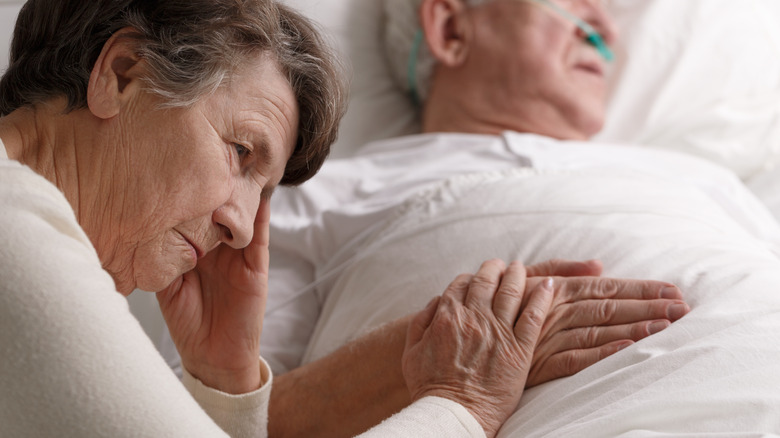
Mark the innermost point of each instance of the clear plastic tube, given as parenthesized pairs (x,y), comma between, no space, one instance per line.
(592,37)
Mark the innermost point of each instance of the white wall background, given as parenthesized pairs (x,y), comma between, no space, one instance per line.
(9,9)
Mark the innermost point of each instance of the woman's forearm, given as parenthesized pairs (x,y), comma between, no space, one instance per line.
(346,392)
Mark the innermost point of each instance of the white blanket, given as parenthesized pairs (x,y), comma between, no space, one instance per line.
(645,214)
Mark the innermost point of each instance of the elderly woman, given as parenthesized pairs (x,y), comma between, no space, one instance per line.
(140,144)
(140,136)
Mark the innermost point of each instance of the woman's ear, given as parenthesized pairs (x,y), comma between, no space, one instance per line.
(115,76)
(446,31)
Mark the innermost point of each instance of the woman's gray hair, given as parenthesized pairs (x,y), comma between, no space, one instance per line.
(410,61)
(191,48)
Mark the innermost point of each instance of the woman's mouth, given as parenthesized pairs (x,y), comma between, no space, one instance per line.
(195,248)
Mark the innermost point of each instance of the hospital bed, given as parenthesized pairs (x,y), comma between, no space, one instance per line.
(693,125)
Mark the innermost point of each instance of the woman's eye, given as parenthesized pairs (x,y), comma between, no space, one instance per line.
(242,152)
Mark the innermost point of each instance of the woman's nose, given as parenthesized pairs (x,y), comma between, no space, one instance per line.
(236,217)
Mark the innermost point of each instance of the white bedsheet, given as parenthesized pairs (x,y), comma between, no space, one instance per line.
(766,186)
(645,214)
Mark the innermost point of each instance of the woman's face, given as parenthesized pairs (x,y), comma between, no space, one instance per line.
(539,67)
(196,176)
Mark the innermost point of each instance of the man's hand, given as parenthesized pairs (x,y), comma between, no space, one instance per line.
(215,312)
(592,318)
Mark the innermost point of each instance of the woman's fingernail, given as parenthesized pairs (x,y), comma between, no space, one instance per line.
(624,345)
(547,284)
(657,326)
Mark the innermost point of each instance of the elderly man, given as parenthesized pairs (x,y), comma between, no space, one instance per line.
(497,65)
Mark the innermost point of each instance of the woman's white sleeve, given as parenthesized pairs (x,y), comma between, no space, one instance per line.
(239,415)
(429,417)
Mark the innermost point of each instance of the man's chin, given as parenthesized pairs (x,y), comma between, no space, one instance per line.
(590,126)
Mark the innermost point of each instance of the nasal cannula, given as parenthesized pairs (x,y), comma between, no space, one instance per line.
(591,35)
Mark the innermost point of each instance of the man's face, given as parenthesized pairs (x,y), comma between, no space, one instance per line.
(538,68)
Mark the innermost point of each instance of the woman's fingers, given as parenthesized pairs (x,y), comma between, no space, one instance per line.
(458,289)
(509,296)
(483,285)
(532,318)
(421,322)
(256,253)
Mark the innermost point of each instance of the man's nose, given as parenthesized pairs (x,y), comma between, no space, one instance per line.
(595,13)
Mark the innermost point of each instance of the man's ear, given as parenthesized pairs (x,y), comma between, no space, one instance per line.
(446,30)
(115,76)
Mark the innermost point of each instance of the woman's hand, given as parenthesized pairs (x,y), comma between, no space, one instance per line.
(471,346)
(215,312)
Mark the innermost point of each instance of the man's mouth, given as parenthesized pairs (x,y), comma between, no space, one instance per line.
(591,67)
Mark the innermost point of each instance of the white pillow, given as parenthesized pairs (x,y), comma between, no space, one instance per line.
(700,76)
(377,108)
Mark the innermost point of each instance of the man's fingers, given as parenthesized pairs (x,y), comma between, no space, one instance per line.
(589,288)
(597,336)
(509,297)
(565,268)
(484,284)
(615,312)
(571,362)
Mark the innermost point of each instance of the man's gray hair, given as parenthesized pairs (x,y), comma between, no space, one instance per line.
(410,61)
(191,48)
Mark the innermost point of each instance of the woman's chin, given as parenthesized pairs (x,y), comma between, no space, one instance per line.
(158,280)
